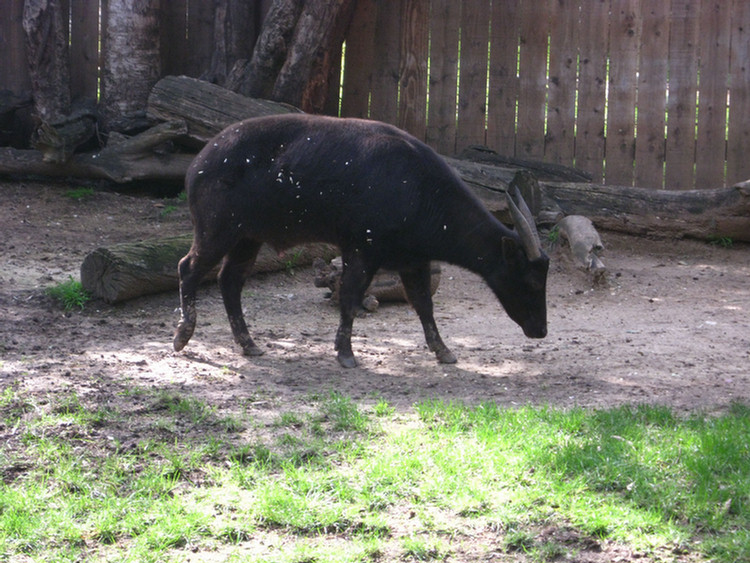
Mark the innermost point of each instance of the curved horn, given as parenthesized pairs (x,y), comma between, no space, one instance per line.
(524,223)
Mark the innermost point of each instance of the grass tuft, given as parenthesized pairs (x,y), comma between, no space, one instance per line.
(70,294)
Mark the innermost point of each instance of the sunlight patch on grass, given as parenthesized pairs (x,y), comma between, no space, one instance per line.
(374,480)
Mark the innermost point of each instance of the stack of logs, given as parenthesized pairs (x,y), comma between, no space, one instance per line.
(186,112)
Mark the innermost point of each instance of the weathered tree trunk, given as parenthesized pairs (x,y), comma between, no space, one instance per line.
(255,78)
(125,271)
(131,62)
(49,65)
(304,78)
(59,132)
(206,108)
(294,57)
(234,26)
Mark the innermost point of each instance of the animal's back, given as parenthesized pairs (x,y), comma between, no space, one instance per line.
(299,178)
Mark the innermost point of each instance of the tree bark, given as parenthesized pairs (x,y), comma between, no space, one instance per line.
(304,78)
(703,214)
(125,271)
(49,65)
(206,108)
(131,62)
(295,54)
(257,77)
(234,26)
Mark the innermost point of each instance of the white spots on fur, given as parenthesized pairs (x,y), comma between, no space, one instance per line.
(225,160)
(445,227)
(200,171)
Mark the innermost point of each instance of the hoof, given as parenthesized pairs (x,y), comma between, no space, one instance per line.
(180,340)
(446,357)
(347,361)
(252,351)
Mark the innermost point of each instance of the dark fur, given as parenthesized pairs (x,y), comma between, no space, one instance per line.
(385,198)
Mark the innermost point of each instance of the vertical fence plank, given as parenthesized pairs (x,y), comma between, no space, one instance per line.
(503,76)
(472,79)
(683,87)
(738,163)
(384,97)
(441,108)
(592,76)
(652,96)
(559,143)
(173,38)
(14,70)
(386,77)
(532,79)
(710,143)
(412,112)
(84,50)
(624,33)
(360,52)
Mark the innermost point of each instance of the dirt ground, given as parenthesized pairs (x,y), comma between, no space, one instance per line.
(669,326)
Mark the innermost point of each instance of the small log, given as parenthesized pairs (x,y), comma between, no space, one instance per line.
(386,285)
(129,270)
(585,243)
(206,108)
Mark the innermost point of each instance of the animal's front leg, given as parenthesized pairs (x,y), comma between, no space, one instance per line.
(417,285)
(355,279)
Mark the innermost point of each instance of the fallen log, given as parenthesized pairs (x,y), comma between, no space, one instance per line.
(205,108)
(124,271)
(199,110)
(130,159)
(701,214)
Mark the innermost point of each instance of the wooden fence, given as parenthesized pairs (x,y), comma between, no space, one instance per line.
(635,92)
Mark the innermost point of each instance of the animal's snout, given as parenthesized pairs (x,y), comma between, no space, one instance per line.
(535,330)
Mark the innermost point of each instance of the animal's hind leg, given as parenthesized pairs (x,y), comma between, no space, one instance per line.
(417,284)
(236,266)
(355,278)
(191,270)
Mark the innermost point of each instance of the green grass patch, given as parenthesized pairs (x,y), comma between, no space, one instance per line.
(70,294)
(336,481)
(78,194)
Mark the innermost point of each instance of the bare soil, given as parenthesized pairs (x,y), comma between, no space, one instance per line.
(669,326)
